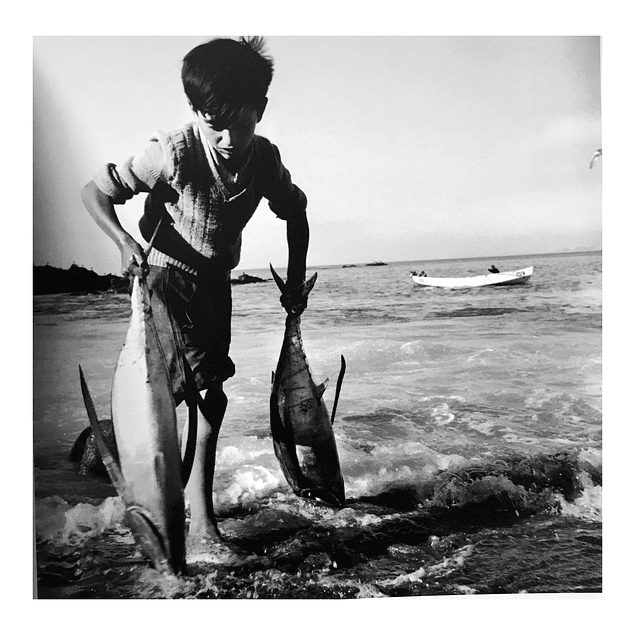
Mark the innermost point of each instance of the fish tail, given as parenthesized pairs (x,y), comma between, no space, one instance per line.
(306,287)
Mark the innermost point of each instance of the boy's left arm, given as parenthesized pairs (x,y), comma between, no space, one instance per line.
(298,243)
(288,202)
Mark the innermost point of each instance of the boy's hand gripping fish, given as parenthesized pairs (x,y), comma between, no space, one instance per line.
(301,428)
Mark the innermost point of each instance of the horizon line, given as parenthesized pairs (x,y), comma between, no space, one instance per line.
(389,262)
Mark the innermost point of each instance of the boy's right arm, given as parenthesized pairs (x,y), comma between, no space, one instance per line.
(100,207)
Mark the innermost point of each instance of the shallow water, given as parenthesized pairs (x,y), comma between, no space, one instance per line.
(469,432)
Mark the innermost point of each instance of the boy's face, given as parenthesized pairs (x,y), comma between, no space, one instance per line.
(234,140)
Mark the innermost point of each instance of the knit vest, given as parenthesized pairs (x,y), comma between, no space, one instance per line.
(200,211)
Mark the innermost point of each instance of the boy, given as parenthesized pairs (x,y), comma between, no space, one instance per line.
(205,181)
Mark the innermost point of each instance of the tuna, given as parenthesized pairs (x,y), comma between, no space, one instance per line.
(148,472)
(301,428)
(145,424)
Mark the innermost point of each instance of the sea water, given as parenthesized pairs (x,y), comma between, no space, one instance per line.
(469,430)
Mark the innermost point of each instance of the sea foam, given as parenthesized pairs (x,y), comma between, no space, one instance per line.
(60,523)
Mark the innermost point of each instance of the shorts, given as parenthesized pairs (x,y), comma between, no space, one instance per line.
(197,317)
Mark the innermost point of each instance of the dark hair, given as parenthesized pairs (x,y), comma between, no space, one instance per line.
(223,76)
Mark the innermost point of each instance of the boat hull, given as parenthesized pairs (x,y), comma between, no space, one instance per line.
(504,278)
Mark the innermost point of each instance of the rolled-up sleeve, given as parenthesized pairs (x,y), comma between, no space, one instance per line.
(139,173)
(285,198)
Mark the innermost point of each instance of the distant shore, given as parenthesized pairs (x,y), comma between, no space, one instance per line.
(78,280)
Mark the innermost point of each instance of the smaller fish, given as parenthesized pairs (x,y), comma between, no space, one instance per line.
(301,428)
(596,155)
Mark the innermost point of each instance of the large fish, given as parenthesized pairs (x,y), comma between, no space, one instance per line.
(302,431)
(145,424)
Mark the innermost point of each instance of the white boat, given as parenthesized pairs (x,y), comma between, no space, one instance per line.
(520,276)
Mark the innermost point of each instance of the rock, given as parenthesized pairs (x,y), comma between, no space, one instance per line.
(245,278)
(85,452)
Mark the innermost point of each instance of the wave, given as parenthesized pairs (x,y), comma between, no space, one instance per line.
(562,483)
(59,523)
(406,533)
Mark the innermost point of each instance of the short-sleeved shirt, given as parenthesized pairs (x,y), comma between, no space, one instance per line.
(205,209)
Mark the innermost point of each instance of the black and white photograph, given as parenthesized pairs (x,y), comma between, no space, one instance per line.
(317,317)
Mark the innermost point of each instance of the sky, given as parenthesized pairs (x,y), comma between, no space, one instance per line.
(408,147)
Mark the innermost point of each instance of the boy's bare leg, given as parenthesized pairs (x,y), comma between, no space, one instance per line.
(199,490)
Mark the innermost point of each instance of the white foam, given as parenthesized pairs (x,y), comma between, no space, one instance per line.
(442,415)
(410,348)
(246,449)
(588,505)
(378,477)
(485,427)
(58,522)
(443,398)
(248,484)
(591,456)
(450,564)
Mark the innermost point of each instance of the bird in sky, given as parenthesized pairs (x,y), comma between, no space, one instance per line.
(596,156)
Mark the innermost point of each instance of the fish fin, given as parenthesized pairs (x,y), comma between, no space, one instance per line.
(338,388)
(307,287)
(109,461)
(149,538)
(321,389)
(277,278)
(88,400)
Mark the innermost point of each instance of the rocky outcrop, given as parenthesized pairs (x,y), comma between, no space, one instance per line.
(75,279)
(245,278)
(79,280)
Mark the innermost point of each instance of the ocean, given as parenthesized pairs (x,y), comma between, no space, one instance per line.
(469,430)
